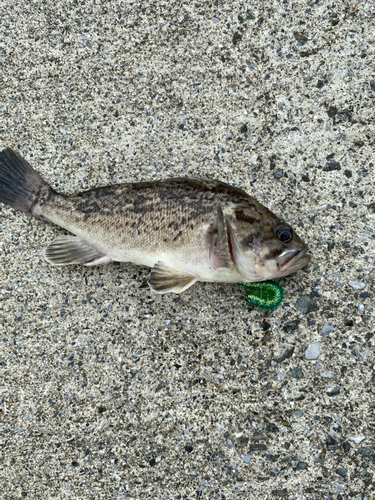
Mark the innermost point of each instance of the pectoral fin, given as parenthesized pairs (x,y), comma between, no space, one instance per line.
(66,250)
(219,248)
(169,279)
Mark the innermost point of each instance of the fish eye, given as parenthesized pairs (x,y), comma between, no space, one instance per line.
(284,233)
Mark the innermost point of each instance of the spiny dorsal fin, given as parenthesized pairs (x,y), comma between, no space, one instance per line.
(169,279)
(219,249)
(66,250)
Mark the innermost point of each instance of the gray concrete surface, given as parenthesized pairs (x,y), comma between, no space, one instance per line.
(110,391)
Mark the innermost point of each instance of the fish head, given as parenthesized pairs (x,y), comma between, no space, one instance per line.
(262,245)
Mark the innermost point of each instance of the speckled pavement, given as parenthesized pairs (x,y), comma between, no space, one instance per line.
(111,391)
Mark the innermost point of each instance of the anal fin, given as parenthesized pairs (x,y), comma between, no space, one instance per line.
(169,279)
(67,250)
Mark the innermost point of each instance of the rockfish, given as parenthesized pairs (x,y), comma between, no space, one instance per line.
(185,229)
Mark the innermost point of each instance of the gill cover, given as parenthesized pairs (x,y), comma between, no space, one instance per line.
(242,262)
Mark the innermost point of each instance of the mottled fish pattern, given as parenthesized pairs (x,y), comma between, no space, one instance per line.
(186,229)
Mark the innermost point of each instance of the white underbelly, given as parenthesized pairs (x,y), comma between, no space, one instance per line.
(193,263)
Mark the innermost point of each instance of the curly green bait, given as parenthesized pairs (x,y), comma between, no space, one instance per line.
(264,294)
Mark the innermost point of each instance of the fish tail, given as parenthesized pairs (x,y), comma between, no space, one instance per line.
(21,187)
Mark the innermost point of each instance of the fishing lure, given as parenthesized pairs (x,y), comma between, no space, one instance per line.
(264,294)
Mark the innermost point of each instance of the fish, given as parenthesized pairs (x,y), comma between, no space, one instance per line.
(185,229)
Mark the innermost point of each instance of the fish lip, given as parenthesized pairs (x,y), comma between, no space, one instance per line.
(295,256)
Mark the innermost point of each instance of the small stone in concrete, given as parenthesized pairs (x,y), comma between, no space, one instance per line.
(313,351)
(331,165)
(326,373)
(290,326)
(297,413)
(287,354)
(357,285)
(327,328)
(258,447)
(301,466)
(319,458)
(306,305)
(357,438)
(280,493)
(333,391)
(341,472)
(272,428)
(246,458)
(346,446)
(296,372)
(331,442)
(278,174)
(365,451)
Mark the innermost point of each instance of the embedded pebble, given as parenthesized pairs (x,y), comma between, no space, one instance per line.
(357,438)
(257,447)
(313,351)
(301,466)
(333,391)
(306,305)
(356,285)
(290,326)
(296,372)
(327,328)
(286,355)
(341,472)
(280,493)
(246,458)
(346,446)
(297,413)
(365,451)
(326,373)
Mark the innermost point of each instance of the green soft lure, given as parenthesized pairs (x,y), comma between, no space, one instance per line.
(264,294)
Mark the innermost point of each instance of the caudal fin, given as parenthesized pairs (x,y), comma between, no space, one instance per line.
(20,186)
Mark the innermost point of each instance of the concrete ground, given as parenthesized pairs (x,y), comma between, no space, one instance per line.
(110,391)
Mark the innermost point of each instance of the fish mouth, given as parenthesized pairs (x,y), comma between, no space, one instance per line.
(292,260)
